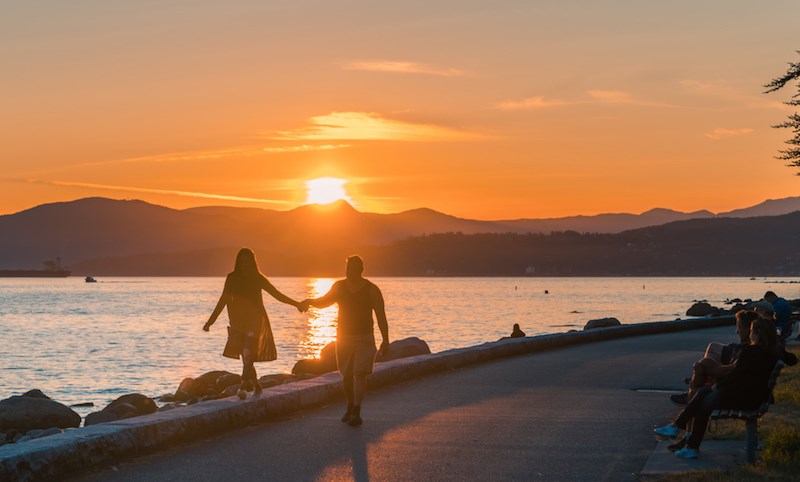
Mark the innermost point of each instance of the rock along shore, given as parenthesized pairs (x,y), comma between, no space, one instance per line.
(106,442)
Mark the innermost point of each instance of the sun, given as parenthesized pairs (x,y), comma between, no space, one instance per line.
(325,190)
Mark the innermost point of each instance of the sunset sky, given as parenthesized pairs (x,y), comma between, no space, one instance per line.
(480,109)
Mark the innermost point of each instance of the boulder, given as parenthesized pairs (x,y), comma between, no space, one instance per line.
(601,323)
(28,413)
(35,393)
(182,393)
(210,383)
(314,366)
(702,309)
(126,406)
(227,380)
(324,364)
(230,391)
(206,383)
(267,381)
(404,348)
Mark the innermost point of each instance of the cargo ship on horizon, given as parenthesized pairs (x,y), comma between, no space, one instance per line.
(52,269)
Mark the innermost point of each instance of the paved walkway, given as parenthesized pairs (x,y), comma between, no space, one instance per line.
(584,412)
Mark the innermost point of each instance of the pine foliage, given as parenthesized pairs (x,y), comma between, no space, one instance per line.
(792,153)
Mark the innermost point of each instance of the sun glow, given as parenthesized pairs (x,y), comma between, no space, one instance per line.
(325,190)
(321,328)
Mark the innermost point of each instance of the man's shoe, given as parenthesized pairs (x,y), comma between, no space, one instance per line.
(680,399)
(670,431)
(355,418)
(257,388)
(348,414)
(242,394)
(686,453)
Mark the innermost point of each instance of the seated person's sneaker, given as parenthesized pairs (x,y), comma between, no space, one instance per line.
(667,431)
(257,388)
(686,453)
(242,394)
(678,445)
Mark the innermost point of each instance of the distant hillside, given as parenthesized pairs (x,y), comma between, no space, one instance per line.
(100,236)
(761,246)
(603,223)
(770,207)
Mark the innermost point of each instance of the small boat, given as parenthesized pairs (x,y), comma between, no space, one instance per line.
(90,279)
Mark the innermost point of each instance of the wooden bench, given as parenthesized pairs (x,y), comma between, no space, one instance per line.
(751,416)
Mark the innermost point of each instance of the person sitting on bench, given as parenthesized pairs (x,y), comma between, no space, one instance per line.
(745,388)
(718,360)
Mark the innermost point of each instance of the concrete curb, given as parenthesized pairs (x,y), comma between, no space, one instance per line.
(104,443)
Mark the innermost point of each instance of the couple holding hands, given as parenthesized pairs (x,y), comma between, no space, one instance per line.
(250,334)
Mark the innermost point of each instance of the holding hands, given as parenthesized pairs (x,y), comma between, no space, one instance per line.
(302,307)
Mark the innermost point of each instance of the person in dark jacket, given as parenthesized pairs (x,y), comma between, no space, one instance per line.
(745,387)
(783,314)
(719,359)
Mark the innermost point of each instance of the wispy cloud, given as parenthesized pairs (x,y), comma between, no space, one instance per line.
(173,192)
(724,91)
(611,96)
(369,126)
(187,156)
(593,97)
(401,67)
(530,103)
(305,148)
(621,97)
(721,132)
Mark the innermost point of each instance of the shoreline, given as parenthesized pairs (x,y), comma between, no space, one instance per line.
(87,446)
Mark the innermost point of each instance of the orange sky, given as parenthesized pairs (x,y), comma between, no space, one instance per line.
(488,110)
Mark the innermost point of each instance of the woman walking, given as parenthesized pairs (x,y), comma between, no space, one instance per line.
(249,333)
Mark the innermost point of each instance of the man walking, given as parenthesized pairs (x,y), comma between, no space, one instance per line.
(357,298)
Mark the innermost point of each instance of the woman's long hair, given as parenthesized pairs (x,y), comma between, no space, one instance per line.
(766,334)
(245,271)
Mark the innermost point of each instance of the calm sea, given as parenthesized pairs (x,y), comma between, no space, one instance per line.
(92,342)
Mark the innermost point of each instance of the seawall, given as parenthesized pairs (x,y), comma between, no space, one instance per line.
(105,443)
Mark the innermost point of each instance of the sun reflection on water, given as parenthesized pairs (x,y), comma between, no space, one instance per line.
(321,322)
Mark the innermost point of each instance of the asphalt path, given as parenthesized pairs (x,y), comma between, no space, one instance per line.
(584,412)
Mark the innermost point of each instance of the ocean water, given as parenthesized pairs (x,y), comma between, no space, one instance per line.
(92,342)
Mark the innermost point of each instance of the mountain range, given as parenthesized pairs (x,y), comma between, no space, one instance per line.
(100,236)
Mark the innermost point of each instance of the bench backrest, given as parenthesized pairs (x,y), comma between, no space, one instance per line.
(773,379)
